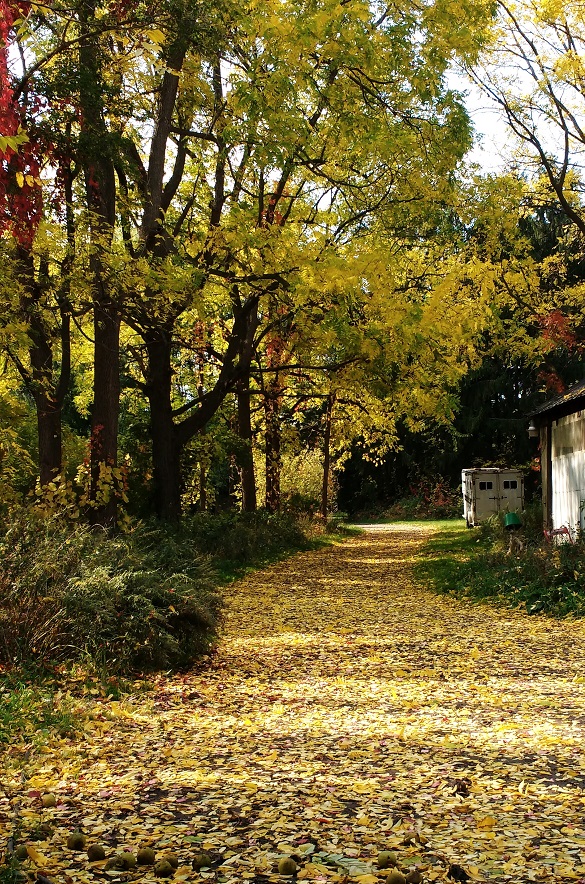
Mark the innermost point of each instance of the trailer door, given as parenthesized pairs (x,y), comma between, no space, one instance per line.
(511,493)
(486,495)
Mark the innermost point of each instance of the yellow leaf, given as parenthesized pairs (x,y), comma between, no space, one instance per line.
(487,822)
(37,858)
(361,788)
(30,180)
(367,879)
(20,179)
(156,36)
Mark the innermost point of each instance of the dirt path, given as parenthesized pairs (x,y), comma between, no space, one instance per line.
(346,712)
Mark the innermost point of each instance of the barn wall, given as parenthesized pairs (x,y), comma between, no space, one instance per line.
(568,470)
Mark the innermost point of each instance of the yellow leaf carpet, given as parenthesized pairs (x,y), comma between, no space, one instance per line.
(346,712)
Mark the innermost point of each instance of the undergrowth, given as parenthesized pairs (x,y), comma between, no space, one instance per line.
(33,711)
(133,602)
(87,610)
(541,578)
(144,600)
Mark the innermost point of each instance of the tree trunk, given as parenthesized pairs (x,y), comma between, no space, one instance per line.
(96,159)
(202,487)
(246,465)
(166,449)
(326,457)
(50,438)
(272,441)
(48,405)
(105,414)
(39,380)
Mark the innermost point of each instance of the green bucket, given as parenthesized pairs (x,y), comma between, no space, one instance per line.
(512,521)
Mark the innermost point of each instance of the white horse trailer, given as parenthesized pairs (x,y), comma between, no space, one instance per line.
(489,490)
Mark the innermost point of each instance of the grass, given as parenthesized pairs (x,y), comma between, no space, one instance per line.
(446,557)
(32,711)
(475,563)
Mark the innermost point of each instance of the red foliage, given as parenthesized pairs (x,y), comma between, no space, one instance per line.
(557,330)
(551,381)
(20,190)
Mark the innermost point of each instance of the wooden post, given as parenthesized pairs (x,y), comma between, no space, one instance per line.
(546,472)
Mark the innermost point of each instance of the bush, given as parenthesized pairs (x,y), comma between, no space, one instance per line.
(244,538)
(544,577)
(140,601)
(428,499)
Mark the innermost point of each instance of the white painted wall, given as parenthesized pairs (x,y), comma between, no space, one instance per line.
(568,472)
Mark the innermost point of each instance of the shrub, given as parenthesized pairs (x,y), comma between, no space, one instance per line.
(139,601)
(544,577)
(428,499)
(244,538)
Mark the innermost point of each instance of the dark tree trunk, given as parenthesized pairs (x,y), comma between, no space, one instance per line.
(202,488)
(48,407)
(166,450)
(326,457)
(50,438)
(105,414)
(247,476)
(272,441)
(96,158)
(48,394)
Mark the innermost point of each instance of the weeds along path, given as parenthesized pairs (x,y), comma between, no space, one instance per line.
(346,712)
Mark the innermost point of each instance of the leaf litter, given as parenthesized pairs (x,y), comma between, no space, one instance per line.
(346,712)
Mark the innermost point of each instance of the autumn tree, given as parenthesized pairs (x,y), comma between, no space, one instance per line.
(219,153)
(292,172)
(533,71)
(33,300)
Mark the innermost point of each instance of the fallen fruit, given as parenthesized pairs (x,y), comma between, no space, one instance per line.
(114,862)
(95,853)
(49,800)
(287,866)
(76,841)
(127,860)
(201,861)
(163,869)
(145,856)
(396,878)
(386,858)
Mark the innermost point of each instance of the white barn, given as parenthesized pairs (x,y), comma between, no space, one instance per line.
(561,426)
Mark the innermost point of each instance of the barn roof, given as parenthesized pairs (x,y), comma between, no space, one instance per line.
(571,400)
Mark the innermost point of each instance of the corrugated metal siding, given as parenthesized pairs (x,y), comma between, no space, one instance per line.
(568,471)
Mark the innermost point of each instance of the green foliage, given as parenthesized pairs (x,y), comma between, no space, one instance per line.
(543,578)
(10,871)
(428,499)
(33,711)
(141,601)
(240,540)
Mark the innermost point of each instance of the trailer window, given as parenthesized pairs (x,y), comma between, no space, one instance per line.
(510,483)
(486,486)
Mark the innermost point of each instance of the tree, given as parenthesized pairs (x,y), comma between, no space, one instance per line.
(307,132)
(277,136)
(534,71)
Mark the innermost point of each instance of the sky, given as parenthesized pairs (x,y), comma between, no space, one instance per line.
(494,145)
